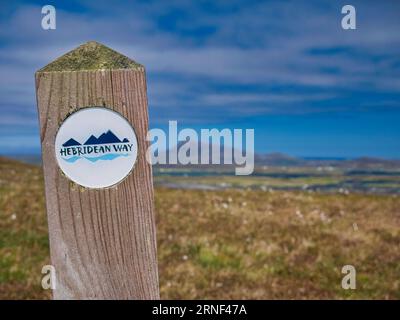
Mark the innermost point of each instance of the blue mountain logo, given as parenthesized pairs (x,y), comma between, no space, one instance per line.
(104,138)
(107,146)
(71,142)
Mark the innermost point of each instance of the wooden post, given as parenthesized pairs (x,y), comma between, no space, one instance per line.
(102,240)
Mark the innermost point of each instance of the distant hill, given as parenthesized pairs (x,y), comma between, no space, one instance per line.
(282,159)
(369,163)
(35,159)
(275,159)
(279,159)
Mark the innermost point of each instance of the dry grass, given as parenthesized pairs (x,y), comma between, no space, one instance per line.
(227,244)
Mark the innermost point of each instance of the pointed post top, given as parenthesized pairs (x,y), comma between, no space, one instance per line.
(91,56)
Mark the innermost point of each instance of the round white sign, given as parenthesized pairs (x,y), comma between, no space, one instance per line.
(96,147)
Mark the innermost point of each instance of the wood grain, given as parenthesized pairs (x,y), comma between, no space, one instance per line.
(102,241)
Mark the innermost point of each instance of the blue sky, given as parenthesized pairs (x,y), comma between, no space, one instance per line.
(285,68)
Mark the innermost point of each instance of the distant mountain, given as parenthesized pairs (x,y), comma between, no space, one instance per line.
(35,159)
(71,142)
(277,159)
(283,160)
(125,140)
(107,137)
(369,163)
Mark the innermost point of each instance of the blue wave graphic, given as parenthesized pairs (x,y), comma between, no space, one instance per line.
(109,156)
(72,159)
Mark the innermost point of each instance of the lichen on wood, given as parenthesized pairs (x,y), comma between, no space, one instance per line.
(91,56)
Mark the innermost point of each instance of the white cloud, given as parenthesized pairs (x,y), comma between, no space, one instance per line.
(257,45)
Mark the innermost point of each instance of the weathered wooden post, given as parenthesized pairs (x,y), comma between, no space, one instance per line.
(93,118)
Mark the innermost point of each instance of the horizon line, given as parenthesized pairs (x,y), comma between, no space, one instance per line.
(338,158)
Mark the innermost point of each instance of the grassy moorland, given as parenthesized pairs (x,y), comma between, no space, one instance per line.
(231,243)
(325,179)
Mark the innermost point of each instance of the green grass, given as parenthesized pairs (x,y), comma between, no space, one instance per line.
(284,178)
(239,244)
